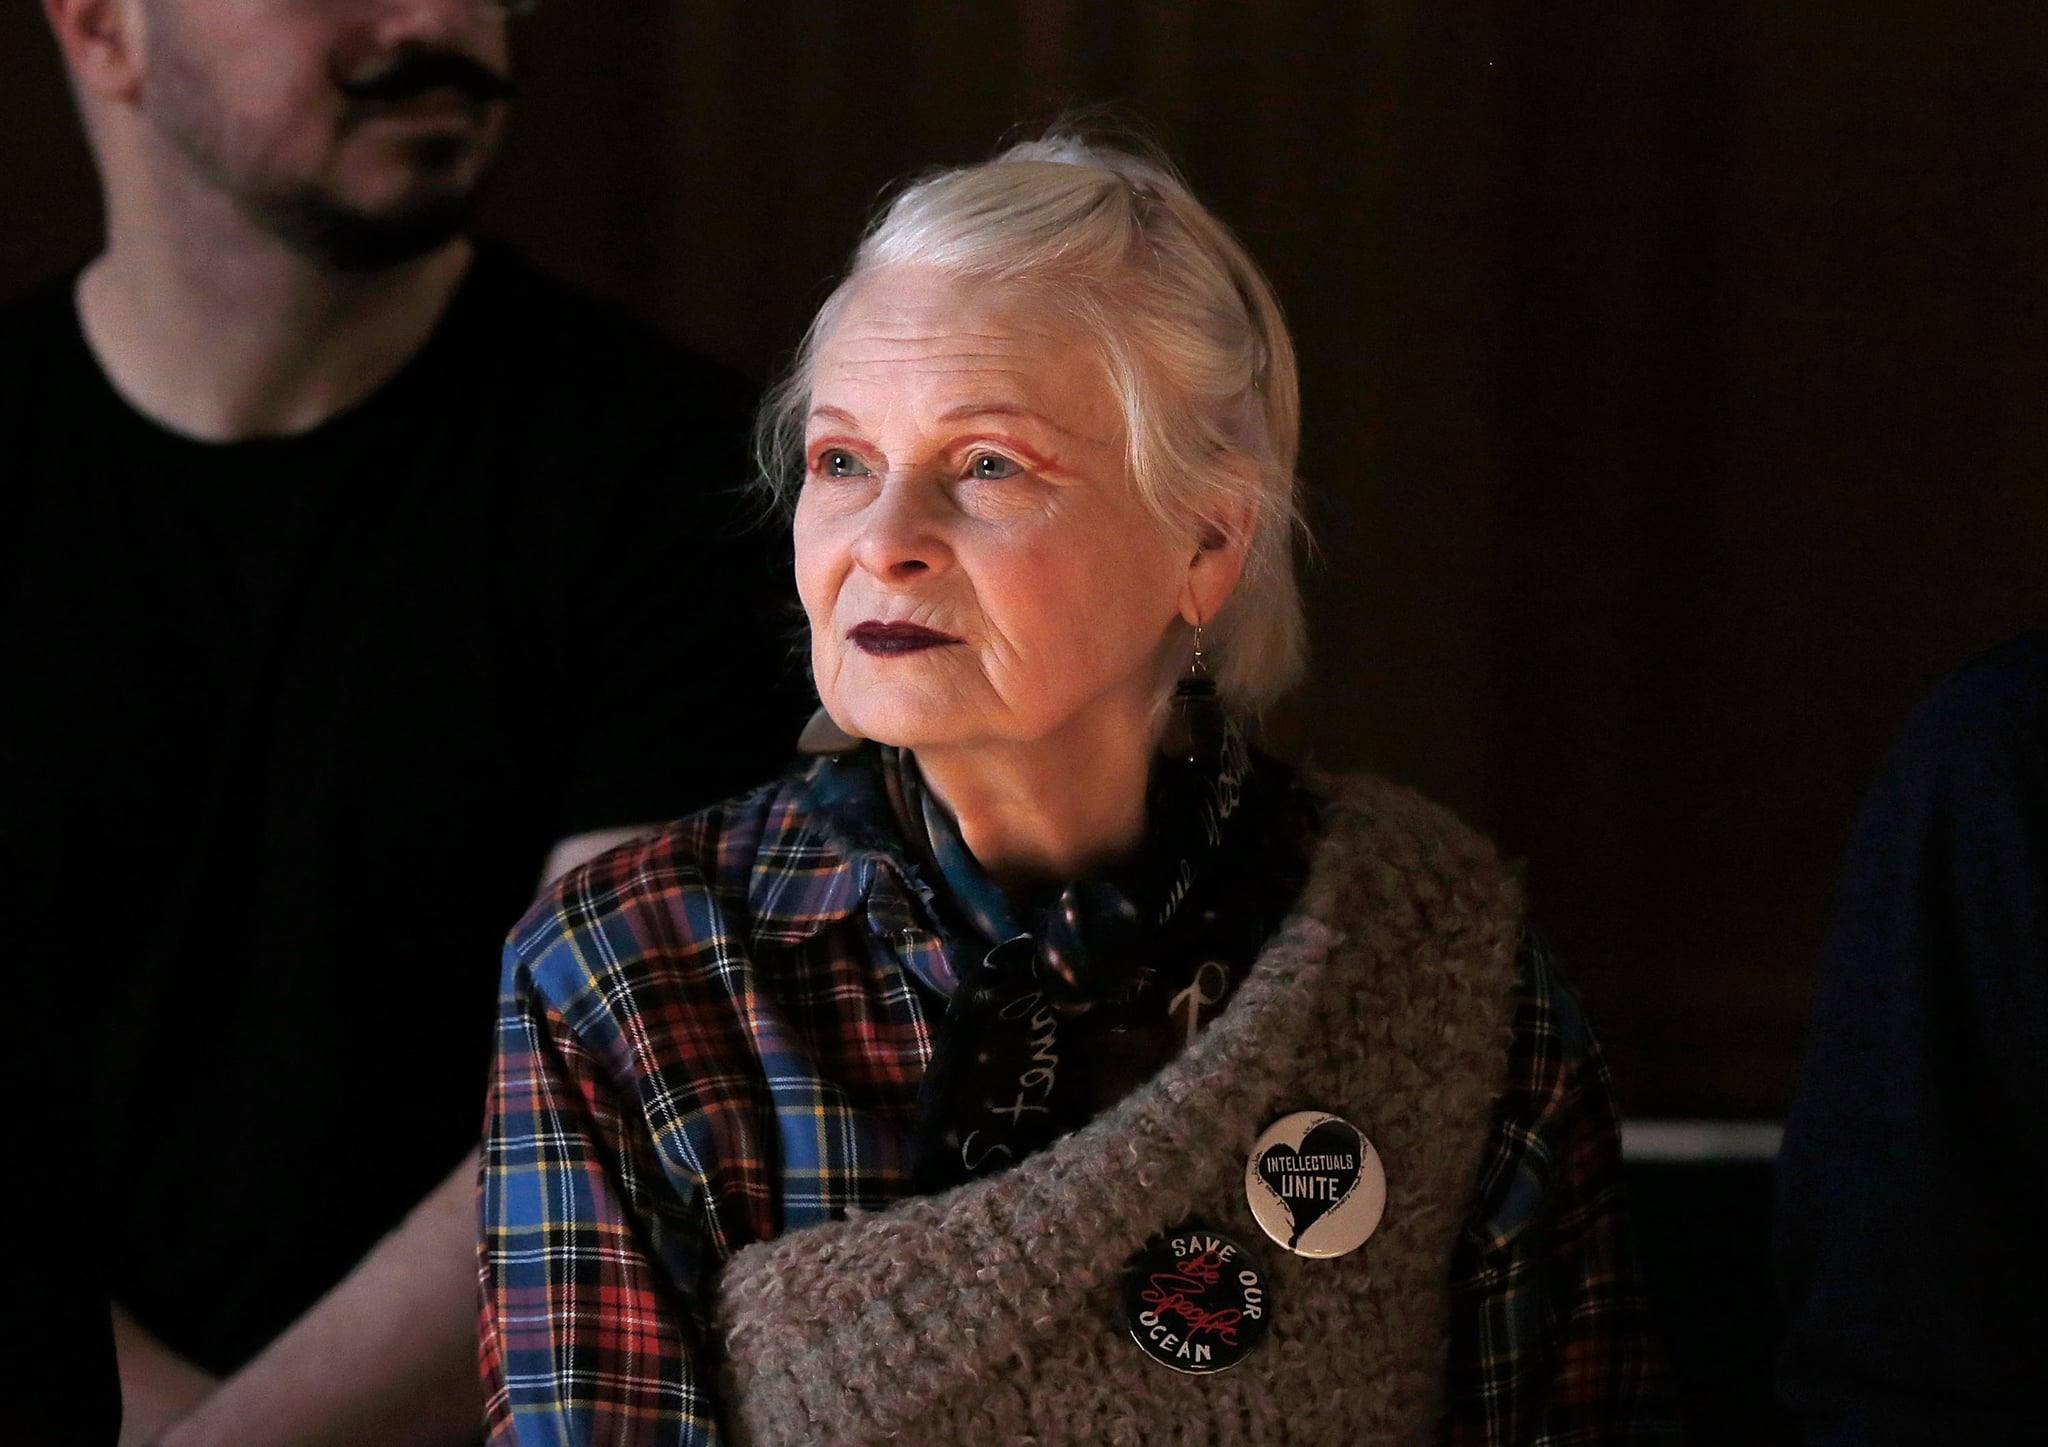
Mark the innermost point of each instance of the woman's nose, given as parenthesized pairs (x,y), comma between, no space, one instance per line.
(902,532)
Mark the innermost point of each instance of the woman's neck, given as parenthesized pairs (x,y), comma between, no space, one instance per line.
(1051,810)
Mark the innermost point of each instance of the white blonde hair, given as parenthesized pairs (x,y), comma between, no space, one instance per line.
(1192,336)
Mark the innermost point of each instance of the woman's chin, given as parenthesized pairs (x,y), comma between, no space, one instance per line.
(903,709)
(901,727)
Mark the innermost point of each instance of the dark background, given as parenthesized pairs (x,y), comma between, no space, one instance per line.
(1674,378)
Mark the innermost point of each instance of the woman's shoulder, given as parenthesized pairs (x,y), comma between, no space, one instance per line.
(1376,836)
(1375,813)
(1379,823)
(1411,882)
(700,890)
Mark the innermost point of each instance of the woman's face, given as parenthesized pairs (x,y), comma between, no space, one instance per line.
(974,563)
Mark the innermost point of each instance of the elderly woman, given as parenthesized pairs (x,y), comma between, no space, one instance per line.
(1039,1062)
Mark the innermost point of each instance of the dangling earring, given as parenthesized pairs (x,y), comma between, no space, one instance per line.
(1194,721)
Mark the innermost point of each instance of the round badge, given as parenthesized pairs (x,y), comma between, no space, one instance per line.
(1315,1184)
(1195,1301)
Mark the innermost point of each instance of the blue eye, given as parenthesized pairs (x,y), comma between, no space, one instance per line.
(992,467)
(838,462)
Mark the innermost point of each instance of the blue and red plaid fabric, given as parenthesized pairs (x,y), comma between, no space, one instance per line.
(717,1035)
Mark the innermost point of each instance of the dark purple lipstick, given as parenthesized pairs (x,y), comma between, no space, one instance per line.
(888,639)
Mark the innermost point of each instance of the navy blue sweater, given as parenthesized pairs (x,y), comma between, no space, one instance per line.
(1914,1178)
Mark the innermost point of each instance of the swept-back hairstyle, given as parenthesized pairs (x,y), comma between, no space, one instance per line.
(1190,333)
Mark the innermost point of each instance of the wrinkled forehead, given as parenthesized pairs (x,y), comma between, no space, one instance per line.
(901,313)
(915,332)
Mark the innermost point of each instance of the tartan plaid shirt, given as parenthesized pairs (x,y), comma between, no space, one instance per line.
(717,1035)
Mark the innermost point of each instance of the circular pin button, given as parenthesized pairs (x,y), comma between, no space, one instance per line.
(1195,1301)
(1315,1184)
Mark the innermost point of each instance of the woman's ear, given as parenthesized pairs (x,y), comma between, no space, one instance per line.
(1222,535)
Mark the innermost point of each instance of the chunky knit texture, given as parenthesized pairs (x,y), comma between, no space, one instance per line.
(989,1314)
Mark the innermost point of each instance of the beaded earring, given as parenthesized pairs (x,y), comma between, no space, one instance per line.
(1194,722)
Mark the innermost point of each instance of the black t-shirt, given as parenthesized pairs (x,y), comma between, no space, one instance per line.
(286,731)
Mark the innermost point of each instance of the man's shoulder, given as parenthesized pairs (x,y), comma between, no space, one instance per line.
(533,328)
(37,324)
(45,306)
(621,446)
(52,392)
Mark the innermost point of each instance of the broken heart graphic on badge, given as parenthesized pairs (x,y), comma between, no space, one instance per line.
(1315,1184)
(1313,1180)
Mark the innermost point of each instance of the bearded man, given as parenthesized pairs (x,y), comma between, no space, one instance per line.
(307,492)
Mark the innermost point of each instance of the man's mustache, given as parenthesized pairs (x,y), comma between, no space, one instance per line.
(418,72)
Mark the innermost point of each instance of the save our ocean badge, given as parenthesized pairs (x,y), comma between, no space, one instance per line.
(1315,1184)
(1195,1300)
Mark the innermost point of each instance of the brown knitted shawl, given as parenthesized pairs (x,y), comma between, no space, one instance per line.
(989,1314)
